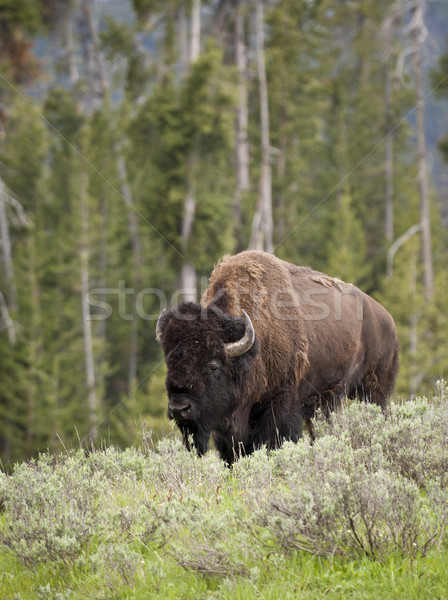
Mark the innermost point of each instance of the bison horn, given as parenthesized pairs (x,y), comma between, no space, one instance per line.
(240,347)
(160,326)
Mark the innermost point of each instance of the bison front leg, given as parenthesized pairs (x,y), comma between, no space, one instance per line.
(276,420)
(229,450)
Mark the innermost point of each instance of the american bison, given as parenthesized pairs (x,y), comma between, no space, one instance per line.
(269,343)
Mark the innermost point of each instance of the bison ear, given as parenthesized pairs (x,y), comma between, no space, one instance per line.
(161,324)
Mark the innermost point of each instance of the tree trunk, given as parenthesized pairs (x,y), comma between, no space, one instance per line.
(69,43)
(388,156)
(183,39)
(262,227)
(92,402)
(397,245)
(11,295)
(417,33)
(188,276)
(280,226)
(417,377)
(188,279)
(34,344)
(136,245)
(99,80)
(93,64)
(94,95)
(7,321)
(195,36)
(102,280)
(242,115)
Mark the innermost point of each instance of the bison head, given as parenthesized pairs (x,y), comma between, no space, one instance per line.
(208,353)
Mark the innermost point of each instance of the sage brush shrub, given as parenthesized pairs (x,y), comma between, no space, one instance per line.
(118,561)
(416,440)
(52,509)
(370,484)
(413,436)
(212,539)
(330,503)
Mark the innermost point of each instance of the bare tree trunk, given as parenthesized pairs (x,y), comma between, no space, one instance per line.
(95,91)
(183,39)
(280,227)
(418,34)
(69,42)
(397,245)
(195,36)
(35,343)
(136,245)
(413,331)
(242,115)
(7,250)
(134,232)
(188,276)
(93,62)
(99,80)
(188,281)
(102,280)
(388,156)
(7,321)
(92,401)
(190,203)
(262,227)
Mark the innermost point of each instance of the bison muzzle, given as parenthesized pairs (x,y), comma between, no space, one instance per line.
(270,343)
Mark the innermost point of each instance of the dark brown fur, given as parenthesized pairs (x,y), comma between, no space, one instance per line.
(317,340)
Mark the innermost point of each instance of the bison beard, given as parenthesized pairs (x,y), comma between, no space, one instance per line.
(269,343)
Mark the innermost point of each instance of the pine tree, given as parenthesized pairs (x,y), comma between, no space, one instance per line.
(347,248)
(439,81)
(24,398)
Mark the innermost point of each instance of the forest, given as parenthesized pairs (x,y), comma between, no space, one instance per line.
(140,141)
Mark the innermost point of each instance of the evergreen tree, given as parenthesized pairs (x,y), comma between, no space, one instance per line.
(24,394)
(439,82)
(347,248)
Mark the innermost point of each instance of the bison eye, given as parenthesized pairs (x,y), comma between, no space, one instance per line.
(214,365)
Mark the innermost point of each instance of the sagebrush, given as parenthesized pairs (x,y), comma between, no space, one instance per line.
(370,485)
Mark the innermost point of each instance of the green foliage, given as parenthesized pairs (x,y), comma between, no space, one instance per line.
(193,117)
(207,100)
(145,8)
(23,154)
(347,248)
(440,83)
(20,13)
(64,117)
(52,511)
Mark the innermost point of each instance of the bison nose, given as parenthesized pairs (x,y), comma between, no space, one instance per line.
(179,410)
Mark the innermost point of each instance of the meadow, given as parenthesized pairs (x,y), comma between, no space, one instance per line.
(360,513)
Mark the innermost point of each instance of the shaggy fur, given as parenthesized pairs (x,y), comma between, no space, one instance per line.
(317,340)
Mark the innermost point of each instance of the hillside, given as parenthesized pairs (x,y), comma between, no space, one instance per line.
(361,513)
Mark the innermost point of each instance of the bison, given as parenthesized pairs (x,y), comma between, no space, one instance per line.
(269,343)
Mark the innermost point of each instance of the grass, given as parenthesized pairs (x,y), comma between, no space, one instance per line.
(360,514)
(298,576)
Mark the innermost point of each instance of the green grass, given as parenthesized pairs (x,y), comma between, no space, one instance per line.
(361,513)
(298,576)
